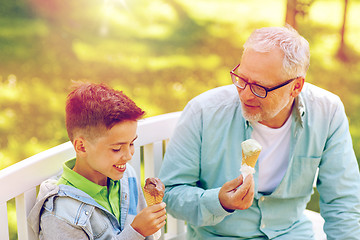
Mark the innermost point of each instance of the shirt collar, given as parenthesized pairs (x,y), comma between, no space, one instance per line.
(299,110)
(82,183)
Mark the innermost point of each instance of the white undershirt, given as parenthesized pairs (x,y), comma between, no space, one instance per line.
(274,157)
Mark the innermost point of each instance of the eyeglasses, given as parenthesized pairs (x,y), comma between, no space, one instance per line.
(256,89)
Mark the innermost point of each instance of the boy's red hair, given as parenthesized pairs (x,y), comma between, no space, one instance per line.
(91,107)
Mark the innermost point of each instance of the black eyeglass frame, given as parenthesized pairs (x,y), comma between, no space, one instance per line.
(233,74)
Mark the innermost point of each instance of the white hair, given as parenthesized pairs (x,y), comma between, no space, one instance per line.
(294,46)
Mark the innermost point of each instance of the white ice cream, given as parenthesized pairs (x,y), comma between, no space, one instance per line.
(249,147)
(246,170)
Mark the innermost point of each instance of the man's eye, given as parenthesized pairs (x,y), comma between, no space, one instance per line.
(116,150)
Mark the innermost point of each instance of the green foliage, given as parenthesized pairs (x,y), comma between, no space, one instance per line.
(161,53)
(31,119)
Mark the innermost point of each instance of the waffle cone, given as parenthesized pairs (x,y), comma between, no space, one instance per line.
(152,200)
(250,160)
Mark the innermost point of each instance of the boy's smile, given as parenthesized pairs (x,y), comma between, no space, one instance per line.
(107,155)
(121,168)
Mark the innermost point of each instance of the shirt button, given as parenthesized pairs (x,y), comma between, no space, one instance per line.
(263,226)
(262,198)
(86,213)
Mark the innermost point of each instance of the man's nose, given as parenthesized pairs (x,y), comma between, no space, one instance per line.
(246,93)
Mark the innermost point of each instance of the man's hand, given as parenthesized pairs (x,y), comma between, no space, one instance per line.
(150,219)
(237,194)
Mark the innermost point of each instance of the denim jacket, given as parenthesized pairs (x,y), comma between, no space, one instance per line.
(65,212)
(205,152)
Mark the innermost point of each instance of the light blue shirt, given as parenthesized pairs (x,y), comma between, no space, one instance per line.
(205,152)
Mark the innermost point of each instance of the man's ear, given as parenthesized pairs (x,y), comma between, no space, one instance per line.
(299,83)
(79,146)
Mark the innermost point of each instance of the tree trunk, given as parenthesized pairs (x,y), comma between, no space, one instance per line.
(291,13)
(342,54)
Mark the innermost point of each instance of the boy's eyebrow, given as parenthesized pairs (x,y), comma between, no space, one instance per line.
(120,143)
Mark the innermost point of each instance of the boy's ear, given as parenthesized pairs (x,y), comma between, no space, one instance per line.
(299,83)
(79,146)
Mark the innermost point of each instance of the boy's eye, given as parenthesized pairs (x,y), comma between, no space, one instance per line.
(118,149)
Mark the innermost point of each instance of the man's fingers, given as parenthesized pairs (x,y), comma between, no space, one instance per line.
(245,188)
(233,184)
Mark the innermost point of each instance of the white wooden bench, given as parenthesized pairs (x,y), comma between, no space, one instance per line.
(20,181)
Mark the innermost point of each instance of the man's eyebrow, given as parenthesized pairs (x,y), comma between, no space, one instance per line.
(257,82)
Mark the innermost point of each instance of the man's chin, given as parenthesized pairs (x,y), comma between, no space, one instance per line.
(252,117)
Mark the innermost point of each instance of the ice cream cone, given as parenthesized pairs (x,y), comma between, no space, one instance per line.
(153,191)
(250,152)
(251,160)
(152,200)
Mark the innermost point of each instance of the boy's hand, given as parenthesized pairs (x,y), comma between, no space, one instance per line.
(150,219)
(237,194)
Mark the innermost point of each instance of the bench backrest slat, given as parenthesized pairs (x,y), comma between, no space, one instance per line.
(28,173)
(4,229)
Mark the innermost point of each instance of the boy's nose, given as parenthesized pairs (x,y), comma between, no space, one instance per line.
(127,154)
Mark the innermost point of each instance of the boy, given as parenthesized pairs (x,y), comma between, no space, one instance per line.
(98,195)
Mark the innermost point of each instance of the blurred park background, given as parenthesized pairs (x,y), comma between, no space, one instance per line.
(161,53)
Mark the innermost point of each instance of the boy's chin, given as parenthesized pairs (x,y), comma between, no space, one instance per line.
(117,178)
